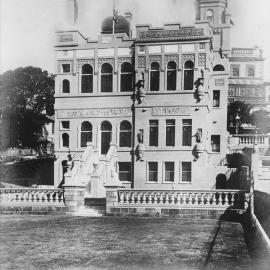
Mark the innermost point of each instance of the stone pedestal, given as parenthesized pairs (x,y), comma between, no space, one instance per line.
(112,196)
(97,188)
(74,197)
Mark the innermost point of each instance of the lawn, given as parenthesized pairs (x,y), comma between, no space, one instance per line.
(47,242)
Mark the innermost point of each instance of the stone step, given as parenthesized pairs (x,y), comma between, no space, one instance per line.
(89,212)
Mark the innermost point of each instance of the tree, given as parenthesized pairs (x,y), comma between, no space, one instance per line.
(239,113)
(261,120)
(26,93)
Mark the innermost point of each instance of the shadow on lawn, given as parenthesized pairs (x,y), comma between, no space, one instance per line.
(255,247)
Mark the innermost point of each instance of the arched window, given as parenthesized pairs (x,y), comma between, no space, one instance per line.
(106,136)
(219,68)
(188,75)
(209,15)
(65,140)
(125,134)
(66,86)
(106,78)
(171,76)
(87,79)
(154,77)
(126,77)
(86,133)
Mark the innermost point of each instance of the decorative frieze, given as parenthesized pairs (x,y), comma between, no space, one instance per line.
(173,57)
(202,59)
(176,110)
(155,58)
(98,112)
(187,57)
(105,60)
(62,62)
(141,61)
(219,82)
(81,62)
(124,59)
(184,32)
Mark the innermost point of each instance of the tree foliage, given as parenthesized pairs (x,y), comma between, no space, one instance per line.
(238,109)
(244,113)
(25,94)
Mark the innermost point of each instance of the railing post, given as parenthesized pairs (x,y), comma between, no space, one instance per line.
(112,196)
(74,197)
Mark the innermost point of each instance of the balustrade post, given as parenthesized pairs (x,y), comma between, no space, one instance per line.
(74,197)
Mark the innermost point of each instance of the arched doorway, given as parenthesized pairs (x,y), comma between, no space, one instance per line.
(106,135)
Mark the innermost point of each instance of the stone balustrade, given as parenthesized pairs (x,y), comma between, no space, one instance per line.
(192,199)
(31,196)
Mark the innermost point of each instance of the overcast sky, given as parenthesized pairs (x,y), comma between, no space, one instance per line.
(27,26)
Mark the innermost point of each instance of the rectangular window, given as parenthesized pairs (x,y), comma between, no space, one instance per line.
(216,98)
(170,132)
(66,68)
(153,133)
(65,125)
(152,171)
(251,71)
(186,172)
(215,143)
(187,132)
(124,171)
(235,70)
(202,46)
(141,49)
(169,171)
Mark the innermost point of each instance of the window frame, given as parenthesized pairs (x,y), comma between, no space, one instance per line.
(164,171)
(127,132)
(182,171)
(186,79)
(168,80)
(63,69)
(61,125)
(106,74)
(156,134)
(216,102)
(125,76)
(62,140)
(183,132)
(86,75)
(128,172)
(235,66)
(148,172)
(152,79)
(218,149)
(169,136)
(85,132)
(63,86)
(248,68)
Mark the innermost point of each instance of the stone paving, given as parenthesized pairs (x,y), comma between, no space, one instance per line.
(54,242)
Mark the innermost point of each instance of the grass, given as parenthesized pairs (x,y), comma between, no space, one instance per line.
(47,242)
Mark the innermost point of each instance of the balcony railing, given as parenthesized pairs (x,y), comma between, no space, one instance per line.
(193,199)
(31,196)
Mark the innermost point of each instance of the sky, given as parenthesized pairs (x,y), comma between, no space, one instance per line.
(27,27)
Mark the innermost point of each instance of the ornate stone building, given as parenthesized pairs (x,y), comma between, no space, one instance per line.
(160,98)
(246,82)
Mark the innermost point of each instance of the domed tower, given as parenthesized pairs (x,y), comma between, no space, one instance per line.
(120,24)
(215,11)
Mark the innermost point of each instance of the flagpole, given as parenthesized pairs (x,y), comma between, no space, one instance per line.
(113,15)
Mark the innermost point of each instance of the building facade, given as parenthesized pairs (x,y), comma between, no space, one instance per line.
(246,82)
(160,97)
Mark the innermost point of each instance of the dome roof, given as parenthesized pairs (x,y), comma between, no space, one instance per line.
(121,26)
